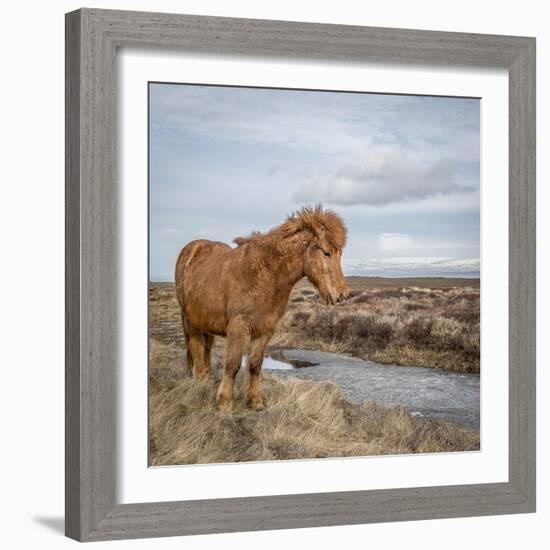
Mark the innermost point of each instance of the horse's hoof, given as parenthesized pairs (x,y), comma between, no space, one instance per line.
(256,405)
(226,408)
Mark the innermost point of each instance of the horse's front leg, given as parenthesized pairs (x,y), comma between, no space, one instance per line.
(236,342)
(254,397)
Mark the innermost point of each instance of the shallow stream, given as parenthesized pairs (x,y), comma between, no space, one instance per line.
(427,393)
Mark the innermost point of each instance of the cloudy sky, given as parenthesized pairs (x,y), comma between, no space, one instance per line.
(403,172)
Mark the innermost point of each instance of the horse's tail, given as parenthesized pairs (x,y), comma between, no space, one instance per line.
(178,274)
(184,259)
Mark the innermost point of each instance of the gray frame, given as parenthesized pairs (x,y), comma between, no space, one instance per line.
(92,37)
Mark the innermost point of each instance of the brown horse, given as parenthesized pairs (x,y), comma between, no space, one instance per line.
(241,293)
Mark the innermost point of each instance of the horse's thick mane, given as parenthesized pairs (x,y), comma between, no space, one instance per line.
(313,219)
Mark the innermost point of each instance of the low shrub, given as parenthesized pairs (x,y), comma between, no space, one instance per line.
(361,298)
(301,316)
(465,313)
(388,293)
(419,329)
(414,306)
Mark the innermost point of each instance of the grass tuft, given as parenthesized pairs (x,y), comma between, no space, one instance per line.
(303,419)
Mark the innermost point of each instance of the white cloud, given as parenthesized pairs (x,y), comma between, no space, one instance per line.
(248,116)
(385,176)
(226,161)
(395,241)
(344,124)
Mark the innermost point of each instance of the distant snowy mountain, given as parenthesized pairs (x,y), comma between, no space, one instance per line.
(413,267)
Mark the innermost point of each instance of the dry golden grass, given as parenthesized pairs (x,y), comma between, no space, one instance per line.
(418,322)
(436,327)
(303,419)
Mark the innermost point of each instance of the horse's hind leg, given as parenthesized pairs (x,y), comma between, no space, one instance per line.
(189,356)
(208,343)
(237,341)
(196,348)
(254,397)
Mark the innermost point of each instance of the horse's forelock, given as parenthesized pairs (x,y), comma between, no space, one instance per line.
(317,219)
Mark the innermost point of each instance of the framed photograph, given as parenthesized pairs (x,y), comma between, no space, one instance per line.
(300,275)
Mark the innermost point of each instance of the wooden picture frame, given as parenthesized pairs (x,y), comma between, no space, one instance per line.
(92,39)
